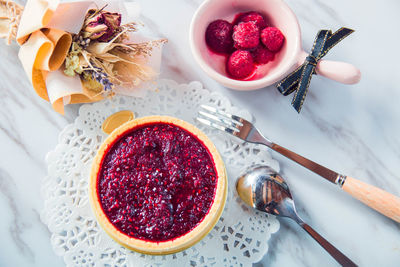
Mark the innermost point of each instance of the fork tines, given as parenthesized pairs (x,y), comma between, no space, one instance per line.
(220,119)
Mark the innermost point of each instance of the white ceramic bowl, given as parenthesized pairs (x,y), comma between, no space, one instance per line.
(287,59)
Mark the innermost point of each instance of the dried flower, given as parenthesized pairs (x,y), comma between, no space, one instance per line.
(101,25)
(72,61)
(98,75)
(90,83)
(81,41)
(103,56)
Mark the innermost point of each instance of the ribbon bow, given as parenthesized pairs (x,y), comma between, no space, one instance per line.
(299,80)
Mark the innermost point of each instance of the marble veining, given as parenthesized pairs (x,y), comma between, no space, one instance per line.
(16,227)
(352,129)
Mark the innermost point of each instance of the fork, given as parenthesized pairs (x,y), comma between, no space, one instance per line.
(374,197)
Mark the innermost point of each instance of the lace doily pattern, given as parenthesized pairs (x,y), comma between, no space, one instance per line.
(240,238)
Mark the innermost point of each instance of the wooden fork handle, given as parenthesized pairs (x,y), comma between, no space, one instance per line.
(374,197)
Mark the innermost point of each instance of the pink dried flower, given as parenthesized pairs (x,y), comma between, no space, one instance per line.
(101,25)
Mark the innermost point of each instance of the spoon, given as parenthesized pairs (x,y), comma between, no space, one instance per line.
(264,189)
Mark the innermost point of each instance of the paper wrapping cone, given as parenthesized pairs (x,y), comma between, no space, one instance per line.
(44,51)
(68,90)
(37,14)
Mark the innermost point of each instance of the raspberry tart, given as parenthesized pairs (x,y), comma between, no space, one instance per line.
(158,185)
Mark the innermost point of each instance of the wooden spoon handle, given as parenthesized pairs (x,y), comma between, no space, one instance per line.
(376,198)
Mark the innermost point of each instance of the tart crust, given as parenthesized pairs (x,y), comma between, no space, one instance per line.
(159,247)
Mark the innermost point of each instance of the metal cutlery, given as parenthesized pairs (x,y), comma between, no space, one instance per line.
(264,189)
(374,197)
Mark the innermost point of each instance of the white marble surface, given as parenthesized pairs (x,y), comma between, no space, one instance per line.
(352,129)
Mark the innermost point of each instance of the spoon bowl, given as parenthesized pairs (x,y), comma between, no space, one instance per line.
(264,189)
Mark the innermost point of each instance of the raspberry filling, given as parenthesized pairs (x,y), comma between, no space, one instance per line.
(157,182)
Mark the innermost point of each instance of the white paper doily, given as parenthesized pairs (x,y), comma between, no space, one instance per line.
(241,236)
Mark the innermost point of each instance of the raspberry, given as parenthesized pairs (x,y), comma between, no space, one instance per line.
(246,35)
(272,38)
(253,16)
(219,36)
(240,64)
(262,55)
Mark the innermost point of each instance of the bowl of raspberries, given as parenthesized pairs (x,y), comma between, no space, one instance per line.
(247,44)
(251,44)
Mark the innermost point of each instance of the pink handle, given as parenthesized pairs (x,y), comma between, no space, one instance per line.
(338,71)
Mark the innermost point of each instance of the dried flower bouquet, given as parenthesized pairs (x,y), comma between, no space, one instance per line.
(94,48)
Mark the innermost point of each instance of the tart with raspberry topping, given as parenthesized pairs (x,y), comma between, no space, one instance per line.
(158,185)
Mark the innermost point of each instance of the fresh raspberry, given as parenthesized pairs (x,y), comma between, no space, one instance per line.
(240,64)
(246,35)
(262,55)
(272,38)
(219,36)
(253,16)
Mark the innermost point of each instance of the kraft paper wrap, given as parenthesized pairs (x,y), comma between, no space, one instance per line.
(44,36)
